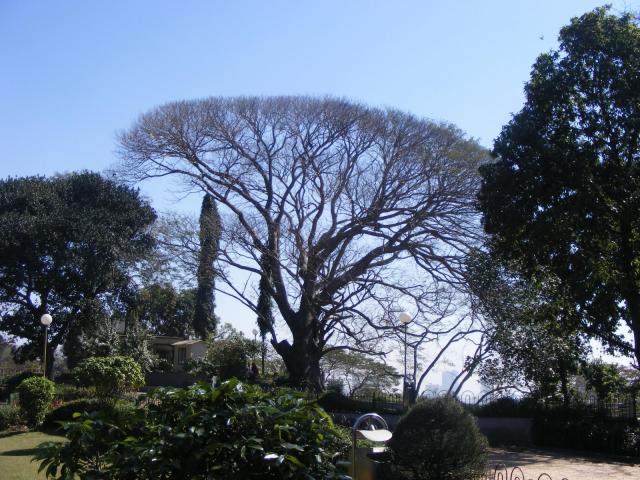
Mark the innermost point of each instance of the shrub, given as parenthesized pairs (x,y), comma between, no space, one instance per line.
(36,394)
(67,393)
(110,376)
(9,384)
(437,439)
(118,411)
(10,417)
(230,432)
(506,407)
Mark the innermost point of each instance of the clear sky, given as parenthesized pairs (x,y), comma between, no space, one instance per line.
(73,73)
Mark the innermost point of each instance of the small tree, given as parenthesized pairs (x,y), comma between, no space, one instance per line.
(110,376)
(36,394)
(437,439)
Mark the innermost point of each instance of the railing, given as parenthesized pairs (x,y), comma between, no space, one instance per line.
(502,472)
(624,406)
(11,371)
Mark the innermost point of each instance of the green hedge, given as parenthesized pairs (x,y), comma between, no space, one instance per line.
(64,413)
(567,429)
(231,432)
(111,377)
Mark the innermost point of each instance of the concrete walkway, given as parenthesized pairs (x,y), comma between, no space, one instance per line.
(560,464)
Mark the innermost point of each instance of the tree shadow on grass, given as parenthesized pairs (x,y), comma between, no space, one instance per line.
(23,452)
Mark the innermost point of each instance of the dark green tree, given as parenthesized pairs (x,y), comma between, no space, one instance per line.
(530,339)
(204,320)
(67,245)
(564,193)
(163,310)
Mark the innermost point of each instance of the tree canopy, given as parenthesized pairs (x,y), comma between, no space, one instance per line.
(66,245)
(346,208)
(564,194)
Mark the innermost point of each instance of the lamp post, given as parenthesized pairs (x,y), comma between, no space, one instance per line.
(45,320)
(262,349)
(405,319)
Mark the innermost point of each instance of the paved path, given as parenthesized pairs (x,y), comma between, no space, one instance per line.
(561,464)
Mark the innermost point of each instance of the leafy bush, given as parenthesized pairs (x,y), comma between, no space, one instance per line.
(119,411)
(583,431)
(36,394)
(437,439)
(8,385)
(336,402)
(506,407)
(230,432)
(10,417)
(110,376)
(67,393)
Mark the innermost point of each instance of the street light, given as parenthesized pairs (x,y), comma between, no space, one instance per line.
(262,349)
(405,319)
(45,320)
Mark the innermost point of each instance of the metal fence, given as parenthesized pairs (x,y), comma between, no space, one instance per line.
(623,406)
(502,472)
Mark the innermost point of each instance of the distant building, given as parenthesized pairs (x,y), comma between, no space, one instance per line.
(448,377)
(177,350)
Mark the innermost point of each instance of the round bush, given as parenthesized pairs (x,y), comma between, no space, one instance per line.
(36,394)
(437,439)
(110,376)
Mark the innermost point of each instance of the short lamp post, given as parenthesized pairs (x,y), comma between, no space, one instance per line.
(45,320)
(405,319)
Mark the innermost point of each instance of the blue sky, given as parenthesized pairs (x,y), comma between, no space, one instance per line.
(73,73)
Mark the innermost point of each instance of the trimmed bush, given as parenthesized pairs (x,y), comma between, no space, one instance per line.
(36,394)
(231,432)
(112,377)
(437,439)
(10,417)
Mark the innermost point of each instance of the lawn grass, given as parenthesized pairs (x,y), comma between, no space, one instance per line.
(16,451)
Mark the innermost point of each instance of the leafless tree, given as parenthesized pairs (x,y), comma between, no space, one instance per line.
(353,208)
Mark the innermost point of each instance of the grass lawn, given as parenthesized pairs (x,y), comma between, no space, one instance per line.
(16,450)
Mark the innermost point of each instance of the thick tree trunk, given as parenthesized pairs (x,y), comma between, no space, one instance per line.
(302,358)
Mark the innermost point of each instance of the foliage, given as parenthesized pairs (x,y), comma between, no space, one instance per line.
(227,356)
(563,195)
(135,344)
(204,318)
(163,310)
(577,430)
(10,417)
(525,345)
(331,195)
(337,402)
(358,372)
(66,392)
(9,384)
(120,411)
(36,394)
(605,379)
(66,244)
(233,431)
(506,407)
(437,439)
(110,376)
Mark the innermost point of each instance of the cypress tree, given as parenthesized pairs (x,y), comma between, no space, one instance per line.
(204,319)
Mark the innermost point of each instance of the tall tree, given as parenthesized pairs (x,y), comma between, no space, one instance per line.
(529,341)
(352,207)
(204,319)
(66,246)
(564,193)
